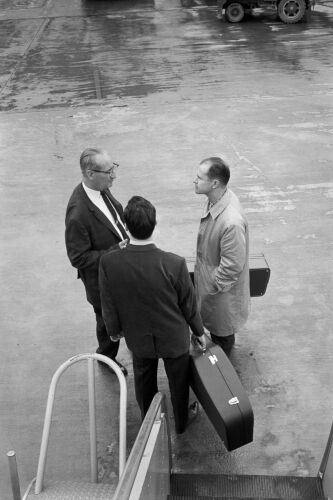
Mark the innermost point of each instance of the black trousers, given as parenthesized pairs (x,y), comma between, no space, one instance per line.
(178,373)
(105,344)
(225,342)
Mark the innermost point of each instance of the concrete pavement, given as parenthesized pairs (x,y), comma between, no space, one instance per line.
(162,87)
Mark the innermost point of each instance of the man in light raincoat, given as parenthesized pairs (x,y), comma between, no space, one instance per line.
(221,273)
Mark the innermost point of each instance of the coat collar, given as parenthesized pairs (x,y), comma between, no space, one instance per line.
(219,206)
(141,248)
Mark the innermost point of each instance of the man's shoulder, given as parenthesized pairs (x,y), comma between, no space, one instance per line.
(233,213)
(233,216)
(78,201)
(77,194)
(172,258)
(113,255)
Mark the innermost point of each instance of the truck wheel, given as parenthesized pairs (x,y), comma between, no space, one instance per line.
(234,12)
(291,11)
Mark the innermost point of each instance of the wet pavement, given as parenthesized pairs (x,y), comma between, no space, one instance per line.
(92,50)
(161,87)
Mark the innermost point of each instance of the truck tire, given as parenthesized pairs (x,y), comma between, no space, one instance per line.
(291,11)
(234,12)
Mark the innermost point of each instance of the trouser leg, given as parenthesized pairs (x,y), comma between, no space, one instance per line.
(225,342)
(105,344)
(178,373)
(145,381)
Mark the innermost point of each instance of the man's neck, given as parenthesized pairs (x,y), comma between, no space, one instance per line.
(88,184)
(215,195)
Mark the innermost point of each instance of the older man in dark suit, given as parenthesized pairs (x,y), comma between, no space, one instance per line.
(95,225)
(147,296)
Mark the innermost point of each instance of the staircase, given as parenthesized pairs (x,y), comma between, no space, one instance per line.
(235,487)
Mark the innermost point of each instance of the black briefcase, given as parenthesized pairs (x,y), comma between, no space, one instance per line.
(222,395)
(259,273)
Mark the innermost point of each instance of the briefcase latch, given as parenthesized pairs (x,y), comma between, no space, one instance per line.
(233,401)
(213,359)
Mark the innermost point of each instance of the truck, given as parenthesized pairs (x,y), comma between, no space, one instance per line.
(288,11)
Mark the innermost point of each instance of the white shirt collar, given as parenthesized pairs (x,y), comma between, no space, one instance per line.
(134,241)
(93,193)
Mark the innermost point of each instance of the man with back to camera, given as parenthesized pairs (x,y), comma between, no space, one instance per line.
(221,273)
(147,296)
(94,225)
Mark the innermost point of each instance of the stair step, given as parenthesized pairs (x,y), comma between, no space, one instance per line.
(72,490)
(214,497)
(177,497)
(232,486)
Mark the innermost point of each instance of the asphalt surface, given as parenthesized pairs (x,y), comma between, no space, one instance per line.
(161,87)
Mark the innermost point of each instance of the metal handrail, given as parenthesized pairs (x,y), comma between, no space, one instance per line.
(92,415)
(127,479)
(327,452)
(29,489)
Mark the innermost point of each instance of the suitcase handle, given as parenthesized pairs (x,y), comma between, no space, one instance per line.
(196,344)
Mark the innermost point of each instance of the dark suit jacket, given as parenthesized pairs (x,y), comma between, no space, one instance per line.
(148,295)
(89,235)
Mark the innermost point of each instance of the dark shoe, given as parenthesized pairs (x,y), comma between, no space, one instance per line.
(193,411)
(122,367)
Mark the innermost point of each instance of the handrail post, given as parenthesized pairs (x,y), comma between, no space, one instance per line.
(46,433)
(92,420)
(14,478)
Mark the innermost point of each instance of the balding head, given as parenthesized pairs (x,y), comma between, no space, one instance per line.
(216,168)
(93,158)
(98,170)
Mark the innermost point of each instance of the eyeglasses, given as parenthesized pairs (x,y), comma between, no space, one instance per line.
(107,172)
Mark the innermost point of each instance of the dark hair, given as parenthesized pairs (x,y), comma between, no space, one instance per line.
(140,217)
(88,159)
(218,169)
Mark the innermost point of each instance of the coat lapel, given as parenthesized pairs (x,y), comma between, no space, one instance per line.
(97,213)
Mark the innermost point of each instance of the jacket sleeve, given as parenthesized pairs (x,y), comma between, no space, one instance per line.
(187,301)
(79,246)
(233,257)
(109,310)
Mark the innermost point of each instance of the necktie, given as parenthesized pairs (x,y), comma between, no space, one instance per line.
(114,214)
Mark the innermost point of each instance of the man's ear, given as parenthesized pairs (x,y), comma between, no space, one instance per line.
(89,174)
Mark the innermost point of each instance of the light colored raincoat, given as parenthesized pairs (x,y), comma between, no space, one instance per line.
(221,271)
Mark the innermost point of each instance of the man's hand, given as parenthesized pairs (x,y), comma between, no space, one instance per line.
(123,243)
(199,342)
(202,342)
(115,338)
(207,332)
